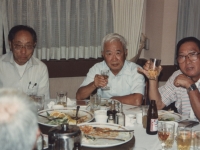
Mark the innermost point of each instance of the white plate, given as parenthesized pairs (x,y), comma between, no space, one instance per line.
(166,114)
(69,111)
(102,143)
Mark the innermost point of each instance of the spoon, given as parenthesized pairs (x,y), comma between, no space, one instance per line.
(77,109)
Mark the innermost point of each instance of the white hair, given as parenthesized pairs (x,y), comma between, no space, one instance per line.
(113,37)
(18,121)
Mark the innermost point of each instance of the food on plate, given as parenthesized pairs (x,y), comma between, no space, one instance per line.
(164,118)
(61,117)
(97,131)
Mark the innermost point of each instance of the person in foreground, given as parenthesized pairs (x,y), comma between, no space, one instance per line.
(18,121)
(19,68)
(126,84)
(184,84)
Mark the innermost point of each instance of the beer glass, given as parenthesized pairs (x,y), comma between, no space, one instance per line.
(165,131)
(105,74)
(154,68)
(184,137)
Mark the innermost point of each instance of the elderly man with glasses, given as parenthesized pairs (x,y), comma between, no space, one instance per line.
(184,84)
(19,68)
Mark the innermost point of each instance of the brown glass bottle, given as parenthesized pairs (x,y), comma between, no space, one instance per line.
(112,110)
(152,119)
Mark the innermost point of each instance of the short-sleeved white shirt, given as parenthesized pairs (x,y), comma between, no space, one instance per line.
(127,81)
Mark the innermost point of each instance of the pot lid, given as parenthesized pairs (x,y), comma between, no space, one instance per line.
(65,129)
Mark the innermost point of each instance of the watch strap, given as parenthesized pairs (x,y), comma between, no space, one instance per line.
(192,87)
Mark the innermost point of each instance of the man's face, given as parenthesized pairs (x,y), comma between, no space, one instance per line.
(188,67)
(114,55)
(22,47)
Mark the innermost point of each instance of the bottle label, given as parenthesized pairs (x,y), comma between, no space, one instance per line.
(154,125)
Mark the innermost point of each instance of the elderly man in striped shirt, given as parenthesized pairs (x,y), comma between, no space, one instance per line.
(184,84)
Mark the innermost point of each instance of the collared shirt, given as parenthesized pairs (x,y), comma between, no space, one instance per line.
(170,93)
(35,79)
(126,82)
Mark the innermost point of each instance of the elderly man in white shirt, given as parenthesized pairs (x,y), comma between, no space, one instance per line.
(19,68)
(126,84)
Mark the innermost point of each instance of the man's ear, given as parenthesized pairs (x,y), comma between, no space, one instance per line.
(102,54)
(126,52)
(10,45)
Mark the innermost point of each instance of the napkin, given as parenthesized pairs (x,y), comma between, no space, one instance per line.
(50,104)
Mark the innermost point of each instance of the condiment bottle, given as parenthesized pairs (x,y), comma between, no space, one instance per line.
(120,116)
(77,146)
(152,119)
(112,110)
(111,119)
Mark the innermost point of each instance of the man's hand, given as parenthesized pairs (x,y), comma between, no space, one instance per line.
(183,81)
(99,81)
(146,69)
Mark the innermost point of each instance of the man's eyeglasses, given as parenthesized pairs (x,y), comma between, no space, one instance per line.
(191,56)
(27,47)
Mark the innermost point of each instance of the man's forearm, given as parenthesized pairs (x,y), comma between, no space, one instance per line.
(132,99)
(154,94)
(85,91)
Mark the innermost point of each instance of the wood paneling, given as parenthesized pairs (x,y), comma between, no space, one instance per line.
(80,67)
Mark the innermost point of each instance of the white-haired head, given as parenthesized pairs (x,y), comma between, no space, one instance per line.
(18,121)
(114,37)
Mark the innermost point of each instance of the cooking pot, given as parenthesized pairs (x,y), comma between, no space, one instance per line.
(63,137)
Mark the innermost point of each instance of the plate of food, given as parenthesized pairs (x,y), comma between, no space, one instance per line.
(54,117)
(164,115)
(101,135)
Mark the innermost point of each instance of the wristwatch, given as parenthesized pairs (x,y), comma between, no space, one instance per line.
(192,87)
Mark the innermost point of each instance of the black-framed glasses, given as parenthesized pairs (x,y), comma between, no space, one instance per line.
(19,47)
(192,57)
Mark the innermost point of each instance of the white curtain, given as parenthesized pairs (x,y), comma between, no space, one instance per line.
(128,20)
(188,20)
(65,28)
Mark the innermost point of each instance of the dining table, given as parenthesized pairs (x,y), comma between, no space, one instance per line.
(140,140)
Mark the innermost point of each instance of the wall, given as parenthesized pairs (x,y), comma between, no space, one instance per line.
(160,28)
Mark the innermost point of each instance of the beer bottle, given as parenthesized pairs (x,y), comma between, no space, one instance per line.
(152,119)
(112,110)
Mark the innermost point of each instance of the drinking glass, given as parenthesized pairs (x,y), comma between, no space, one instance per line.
(197,140)
(105,74)
(165,130)
(62,98)
(154,68)
(184,137)
(95,102)
(144,115)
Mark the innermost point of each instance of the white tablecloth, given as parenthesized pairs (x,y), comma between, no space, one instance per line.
(142,139)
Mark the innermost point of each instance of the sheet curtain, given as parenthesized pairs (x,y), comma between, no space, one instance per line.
(65,28)
(128,20)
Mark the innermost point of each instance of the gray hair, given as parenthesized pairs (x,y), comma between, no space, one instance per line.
(113,37)
(18,121)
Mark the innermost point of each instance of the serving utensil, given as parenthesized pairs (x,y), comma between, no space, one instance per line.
(49,118)
(104,130)
(107,138)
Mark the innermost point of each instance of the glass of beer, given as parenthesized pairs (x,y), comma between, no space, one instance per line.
(165,130)
(154,68)
(105,74)
(184,137)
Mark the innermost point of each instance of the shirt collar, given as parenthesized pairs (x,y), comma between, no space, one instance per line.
(9,58)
